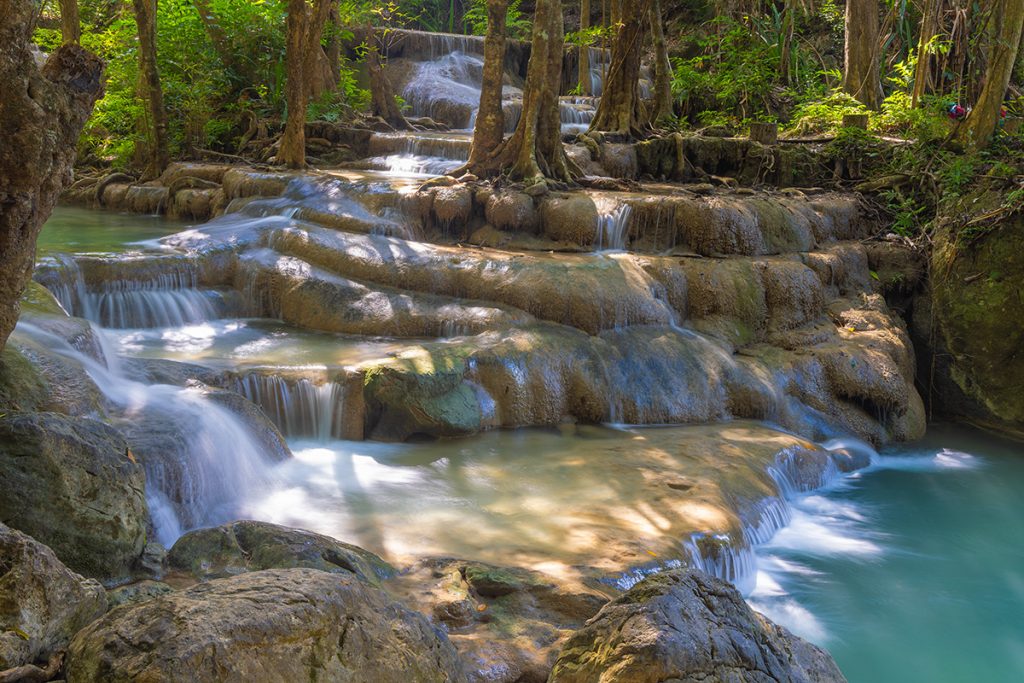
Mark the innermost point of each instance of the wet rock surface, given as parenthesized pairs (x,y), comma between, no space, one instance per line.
(42,602)
(73,484)
(273,625)
(507,624)
(682,625)
(247,546)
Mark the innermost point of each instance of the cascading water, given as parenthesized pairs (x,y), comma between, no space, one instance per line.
(170,298)
(613,219)
(418,153)
(299,408)
(200,458)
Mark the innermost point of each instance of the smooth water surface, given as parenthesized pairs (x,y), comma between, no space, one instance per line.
(914,569)
(73,229)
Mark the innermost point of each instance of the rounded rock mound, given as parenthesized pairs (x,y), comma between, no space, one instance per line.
(272,625)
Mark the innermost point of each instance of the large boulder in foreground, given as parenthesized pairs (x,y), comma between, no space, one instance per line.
(274,625)
(72,484)
(250,546)
(42,602)
(685,626)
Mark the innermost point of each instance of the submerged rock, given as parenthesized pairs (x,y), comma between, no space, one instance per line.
(267,626)
(685,626)
(507,624)
(42,602)
(248,546)
(73,484)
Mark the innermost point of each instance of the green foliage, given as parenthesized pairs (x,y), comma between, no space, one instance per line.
(908,215)
(518,25)
(825,115)
(205,93)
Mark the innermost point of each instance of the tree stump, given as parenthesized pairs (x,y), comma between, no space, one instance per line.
(765,133)
(855,121)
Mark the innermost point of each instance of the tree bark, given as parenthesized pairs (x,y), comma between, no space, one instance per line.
(157,152)
(929,26)
(303,31)
(586,87)
(382,92)
(980,125)
(619,111)
(489,130)
(333,50)
(786,45)
(535,148)
(42,112)
(862,77)
(70,26)
(662,106)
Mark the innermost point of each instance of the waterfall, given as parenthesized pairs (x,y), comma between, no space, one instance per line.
(299,408)
(613,219)
(447,88)
(167,299)
(200,458)
(418,152)
(795,473)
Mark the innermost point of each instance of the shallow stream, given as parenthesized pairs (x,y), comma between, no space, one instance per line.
(911,570)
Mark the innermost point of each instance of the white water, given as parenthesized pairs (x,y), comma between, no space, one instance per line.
(613,219)
(299,408)
(211,463)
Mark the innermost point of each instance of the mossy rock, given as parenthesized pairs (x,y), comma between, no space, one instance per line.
(73,484)
(246,546)
(408,400)
(21,385)
(978,307)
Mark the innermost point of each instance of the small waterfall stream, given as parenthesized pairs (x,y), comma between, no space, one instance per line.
(201,458)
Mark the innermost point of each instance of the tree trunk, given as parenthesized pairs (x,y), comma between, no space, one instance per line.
(929,26)
(303,31)
(786,44)
(980,125)
(619,111)
(535,148)
(70,26)
(662,107)
(149,89)
(862,77)
(42,113)
(333,50)
(586,87)
(382,92)
(489,130)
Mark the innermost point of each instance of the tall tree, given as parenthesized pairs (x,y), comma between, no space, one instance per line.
(929,27)
(976,131)
(535,148)
(489,129)
(304,28)
(619,111)
(586,87)
(70,26)
(662,106)
(155,122)
(382,92)
(42,112)
(861,76)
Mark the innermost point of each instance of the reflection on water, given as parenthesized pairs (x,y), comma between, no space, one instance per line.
(73,229)
(579,495)
(912,570)
(248,342)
